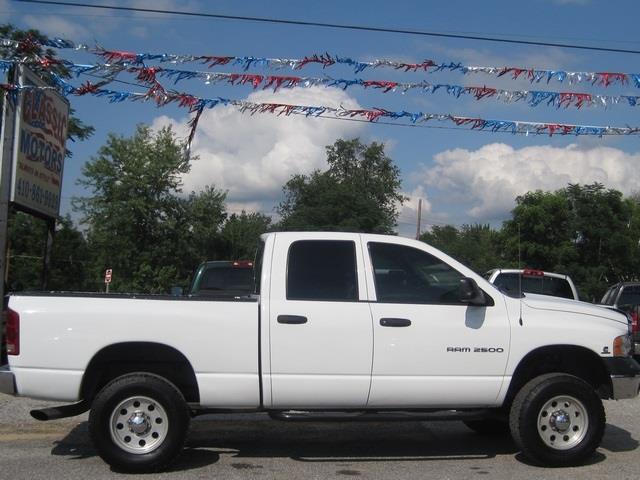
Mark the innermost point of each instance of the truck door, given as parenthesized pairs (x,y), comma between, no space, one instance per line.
(431,349)
(321,338)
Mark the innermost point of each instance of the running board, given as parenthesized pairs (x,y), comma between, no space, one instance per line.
(63,411)
(383,416)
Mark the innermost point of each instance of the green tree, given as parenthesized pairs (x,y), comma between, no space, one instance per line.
(242,233)
(199,227)
(27,234)
(540,232)
(25,255)
(606,229)
(586,231)
(477,246)
(69,259)
(359,192)
(31,50)
(25,251)
(137,222)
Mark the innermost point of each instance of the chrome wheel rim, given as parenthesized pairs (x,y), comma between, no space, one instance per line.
(138,425)
(563,422)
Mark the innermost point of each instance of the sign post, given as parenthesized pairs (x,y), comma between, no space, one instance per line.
(107,279)
(7,126)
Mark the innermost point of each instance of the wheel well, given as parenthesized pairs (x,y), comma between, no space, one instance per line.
(578,361)
(122,358)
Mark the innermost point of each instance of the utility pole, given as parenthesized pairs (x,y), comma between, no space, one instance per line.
(419,218)
(7,129)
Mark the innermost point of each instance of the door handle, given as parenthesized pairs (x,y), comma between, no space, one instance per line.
(292,319)
(395,322)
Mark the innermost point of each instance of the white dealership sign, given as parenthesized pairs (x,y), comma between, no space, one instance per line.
(39,146)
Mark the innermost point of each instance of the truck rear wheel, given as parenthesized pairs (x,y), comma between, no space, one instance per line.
(557,420)
(139,422)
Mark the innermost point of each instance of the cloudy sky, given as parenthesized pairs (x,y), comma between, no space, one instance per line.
(462,176)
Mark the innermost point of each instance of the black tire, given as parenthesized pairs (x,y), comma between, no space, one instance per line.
(489,426)
(139,423)
(557,420)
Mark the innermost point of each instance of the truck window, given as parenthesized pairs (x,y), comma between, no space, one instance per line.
(240,279)
(257,269)
(608,298)
(544,285)
(630,297)
(408,275)
(322,270)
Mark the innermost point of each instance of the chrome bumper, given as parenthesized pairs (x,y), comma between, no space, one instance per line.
(625,377)
(625,387)
(7,381)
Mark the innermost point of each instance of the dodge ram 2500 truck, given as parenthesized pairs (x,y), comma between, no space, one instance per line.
(341,323)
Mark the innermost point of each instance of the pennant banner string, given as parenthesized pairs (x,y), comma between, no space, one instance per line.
(162,97)
(534,75)
(275,82)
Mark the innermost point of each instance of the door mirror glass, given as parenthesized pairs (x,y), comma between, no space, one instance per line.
(470,293)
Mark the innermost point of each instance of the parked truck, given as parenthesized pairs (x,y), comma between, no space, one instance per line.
(358,325)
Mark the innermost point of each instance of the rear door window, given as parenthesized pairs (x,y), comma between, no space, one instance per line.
(322,270)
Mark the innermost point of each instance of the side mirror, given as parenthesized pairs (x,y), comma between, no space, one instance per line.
(469,292)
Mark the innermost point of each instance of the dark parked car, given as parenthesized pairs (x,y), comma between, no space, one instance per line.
(223,279)
(625,296)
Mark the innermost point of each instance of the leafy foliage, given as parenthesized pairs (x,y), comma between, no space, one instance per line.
(540,232)
(585,230)
(359,192)
(31,49)
(27,234)
(242,233)
(25,255)
(477,246)
(137,223)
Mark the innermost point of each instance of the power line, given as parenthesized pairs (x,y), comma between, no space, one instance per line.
(333,25)
(156,17)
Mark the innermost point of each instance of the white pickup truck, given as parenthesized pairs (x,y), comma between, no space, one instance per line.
(362,326)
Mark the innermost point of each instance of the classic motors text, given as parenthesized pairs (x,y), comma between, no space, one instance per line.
(35,148)
(39,111)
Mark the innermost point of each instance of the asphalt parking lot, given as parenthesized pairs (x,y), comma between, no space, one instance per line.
(254,446)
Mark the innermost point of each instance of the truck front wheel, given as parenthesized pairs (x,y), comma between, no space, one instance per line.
(557,420)
(139,422)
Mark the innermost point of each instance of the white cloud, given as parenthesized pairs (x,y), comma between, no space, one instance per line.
(102,24)
(55,26)
(486,181)
(6,7)
(408,212)
(253,156)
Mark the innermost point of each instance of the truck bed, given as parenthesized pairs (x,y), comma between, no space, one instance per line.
(61,332)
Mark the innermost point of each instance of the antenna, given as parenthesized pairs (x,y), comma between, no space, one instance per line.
(519,275)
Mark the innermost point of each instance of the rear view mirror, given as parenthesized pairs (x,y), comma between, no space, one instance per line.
(470,293)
